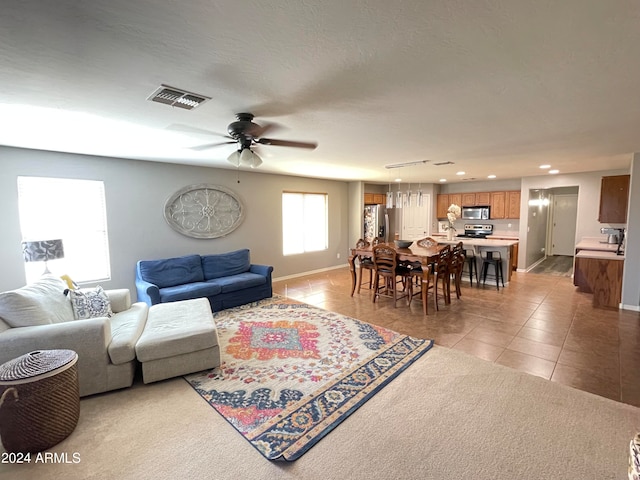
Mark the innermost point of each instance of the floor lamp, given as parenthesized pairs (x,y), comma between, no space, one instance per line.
(43,251)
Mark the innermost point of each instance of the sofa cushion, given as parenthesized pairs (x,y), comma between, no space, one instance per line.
(126,328)
(238,282)
(169,272)
(186,292)
(40,303)
(226,264)
(90,303)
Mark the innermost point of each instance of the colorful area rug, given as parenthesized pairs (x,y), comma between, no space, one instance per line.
(291,372)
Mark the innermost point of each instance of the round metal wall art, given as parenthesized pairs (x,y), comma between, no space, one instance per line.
(204,211)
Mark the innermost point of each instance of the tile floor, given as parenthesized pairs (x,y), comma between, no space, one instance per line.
(538,324)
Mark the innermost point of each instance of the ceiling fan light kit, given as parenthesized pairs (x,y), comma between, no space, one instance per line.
(244,157)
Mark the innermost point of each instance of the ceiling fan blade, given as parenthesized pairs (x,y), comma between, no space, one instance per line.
(286,143)
(178,127)
(210,145)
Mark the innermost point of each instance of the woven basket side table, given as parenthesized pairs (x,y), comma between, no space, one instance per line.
(39,400)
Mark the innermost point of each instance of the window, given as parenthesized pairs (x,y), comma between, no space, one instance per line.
(304,222)
(71,210)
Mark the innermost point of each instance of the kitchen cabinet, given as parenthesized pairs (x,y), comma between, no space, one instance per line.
(503,204)
(483,198)
(468,200)
(375,198)
(600,273)
(614,196)
(442,205)
(498,205)
(514,257)
(444,201)
(513,204)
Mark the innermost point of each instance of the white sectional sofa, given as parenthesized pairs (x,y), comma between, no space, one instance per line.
(40,316)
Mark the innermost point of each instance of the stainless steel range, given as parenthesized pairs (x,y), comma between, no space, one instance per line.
(477,231)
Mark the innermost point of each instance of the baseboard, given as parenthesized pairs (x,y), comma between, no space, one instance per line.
(536,264)
(310,272)
(635,308)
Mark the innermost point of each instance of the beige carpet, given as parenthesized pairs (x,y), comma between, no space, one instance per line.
(448,416)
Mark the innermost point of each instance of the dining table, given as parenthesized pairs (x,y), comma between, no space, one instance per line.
(413,253)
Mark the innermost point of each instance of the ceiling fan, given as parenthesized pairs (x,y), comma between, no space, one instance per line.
(247,134)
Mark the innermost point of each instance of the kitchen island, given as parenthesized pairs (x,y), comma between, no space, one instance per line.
(504,246)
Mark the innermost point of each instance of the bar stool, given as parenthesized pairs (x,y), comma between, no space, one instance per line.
(470,260)
(492,257)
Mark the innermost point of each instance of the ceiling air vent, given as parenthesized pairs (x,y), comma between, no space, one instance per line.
(177,98)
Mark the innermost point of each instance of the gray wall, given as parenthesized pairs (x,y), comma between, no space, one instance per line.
(631,276)
(537,218)
(135,194)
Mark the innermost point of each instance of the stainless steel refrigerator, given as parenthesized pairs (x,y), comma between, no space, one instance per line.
(380,221)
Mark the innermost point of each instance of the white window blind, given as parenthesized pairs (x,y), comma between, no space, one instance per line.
(71,210)
(304,222)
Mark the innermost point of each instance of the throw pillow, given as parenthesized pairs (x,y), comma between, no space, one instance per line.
(40,303)
(90,303)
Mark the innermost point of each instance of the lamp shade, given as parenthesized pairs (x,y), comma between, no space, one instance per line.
(42,251)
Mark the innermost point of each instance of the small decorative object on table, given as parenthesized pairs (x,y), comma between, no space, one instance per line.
(453,213)
(403,243)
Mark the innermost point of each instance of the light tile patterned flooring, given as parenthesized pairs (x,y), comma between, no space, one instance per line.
(538,324)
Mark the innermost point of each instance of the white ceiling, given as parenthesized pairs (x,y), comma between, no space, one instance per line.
(494,86)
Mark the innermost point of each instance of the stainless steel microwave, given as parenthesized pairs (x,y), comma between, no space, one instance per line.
(475,213)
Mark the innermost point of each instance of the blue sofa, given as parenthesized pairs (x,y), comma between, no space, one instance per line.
(226,279)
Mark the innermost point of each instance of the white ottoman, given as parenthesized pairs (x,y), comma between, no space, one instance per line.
(179,338)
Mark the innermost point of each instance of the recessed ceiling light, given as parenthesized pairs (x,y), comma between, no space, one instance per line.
(460,173)
(398,180)
(545,166)
(553,172)
(491,176)
(442,180)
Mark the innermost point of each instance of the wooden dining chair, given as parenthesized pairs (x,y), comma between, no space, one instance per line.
(455,269)
(423,283)
(365,264)
(441,271)
(386,268)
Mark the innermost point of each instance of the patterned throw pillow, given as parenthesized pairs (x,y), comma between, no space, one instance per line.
(90,303)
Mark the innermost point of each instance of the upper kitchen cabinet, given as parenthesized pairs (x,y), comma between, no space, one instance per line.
(498,204)
(444,201)
(468,200)
(513,204)
(375,198)
(455,198)
(477,198)
(614,196)
(442,205)
(483,198)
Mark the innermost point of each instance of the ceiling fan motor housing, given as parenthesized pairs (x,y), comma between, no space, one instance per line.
(242,129)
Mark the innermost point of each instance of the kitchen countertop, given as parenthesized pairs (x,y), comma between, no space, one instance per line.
(590,243)
(600,255)
(476,242)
